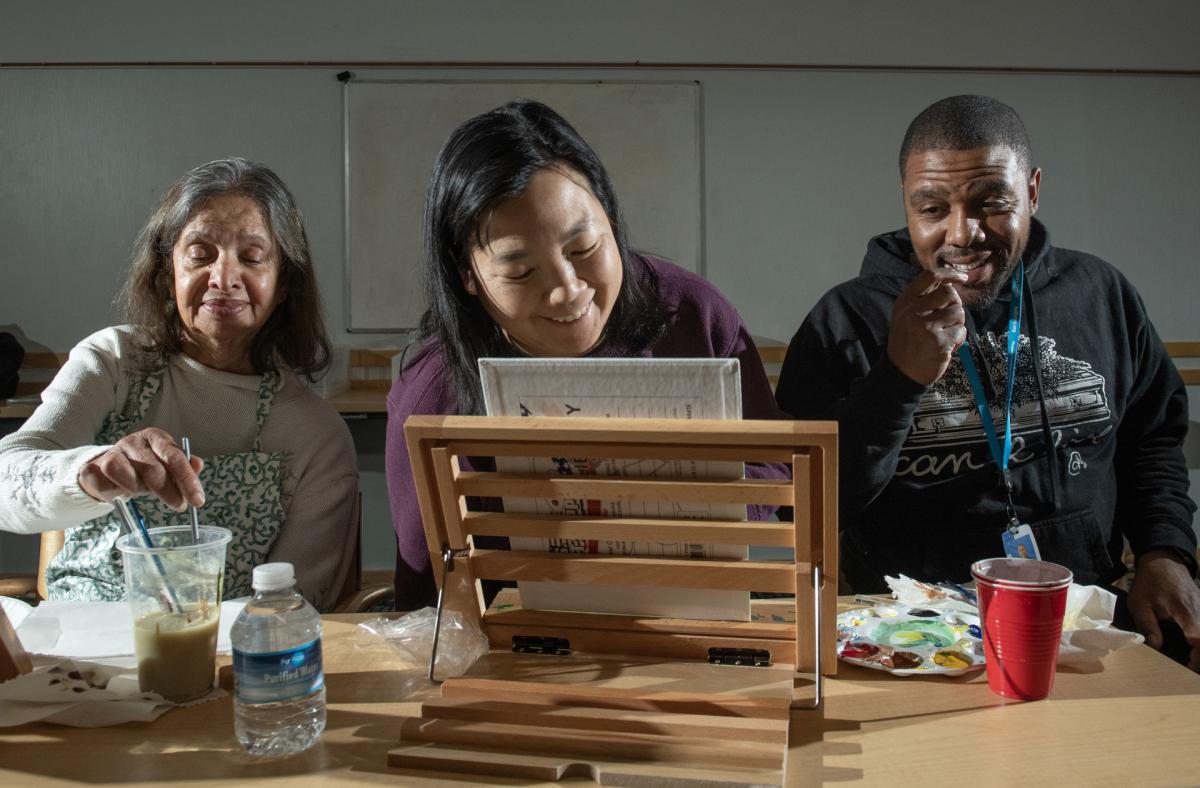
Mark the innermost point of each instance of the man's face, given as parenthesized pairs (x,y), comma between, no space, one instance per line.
(970,210)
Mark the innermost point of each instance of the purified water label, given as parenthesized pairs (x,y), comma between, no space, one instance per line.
(279,675)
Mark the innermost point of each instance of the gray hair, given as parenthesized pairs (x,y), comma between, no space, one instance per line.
(294,336)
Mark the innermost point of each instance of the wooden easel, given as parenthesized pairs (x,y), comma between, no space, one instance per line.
(624,699)
(13,659)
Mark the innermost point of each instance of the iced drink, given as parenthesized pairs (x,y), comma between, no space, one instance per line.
(176,653)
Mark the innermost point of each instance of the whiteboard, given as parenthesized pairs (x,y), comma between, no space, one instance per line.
(646,133)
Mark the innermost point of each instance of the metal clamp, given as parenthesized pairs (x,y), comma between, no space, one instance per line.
(447,567)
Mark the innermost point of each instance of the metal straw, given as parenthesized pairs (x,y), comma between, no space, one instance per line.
(187,450)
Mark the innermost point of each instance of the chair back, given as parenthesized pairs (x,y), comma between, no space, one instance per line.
(51,545)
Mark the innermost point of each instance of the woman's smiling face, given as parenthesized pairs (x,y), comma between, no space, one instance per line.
(226,265)
(549,270)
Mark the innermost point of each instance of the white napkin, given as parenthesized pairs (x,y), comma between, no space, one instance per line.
(91,630)
(83,695)
(1088,633)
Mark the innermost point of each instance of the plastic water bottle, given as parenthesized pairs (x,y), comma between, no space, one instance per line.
(279,685)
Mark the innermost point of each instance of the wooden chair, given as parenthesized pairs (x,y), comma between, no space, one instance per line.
(35,585)
(626,699)
(1188,350)
(354,597)
(772,352)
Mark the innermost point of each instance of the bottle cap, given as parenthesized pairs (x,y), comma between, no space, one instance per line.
(272,577)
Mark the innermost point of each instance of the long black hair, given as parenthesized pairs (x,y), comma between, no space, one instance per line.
(489,159)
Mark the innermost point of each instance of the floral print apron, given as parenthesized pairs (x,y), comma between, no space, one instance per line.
(243,492)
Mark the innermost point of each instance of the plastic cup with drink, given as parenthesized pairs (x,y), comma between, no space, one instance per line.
(174,590)
(1021,605)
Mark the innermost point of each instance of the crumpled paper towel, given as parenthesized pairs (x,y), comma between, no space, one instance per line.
(83,695)
(1088,634)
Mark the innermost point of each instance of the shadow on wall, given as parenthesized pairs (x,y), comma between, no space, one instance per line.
(31,346)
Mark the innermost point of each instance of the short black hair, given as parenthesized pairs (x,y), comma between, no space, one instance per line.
(966,122)
(489,159)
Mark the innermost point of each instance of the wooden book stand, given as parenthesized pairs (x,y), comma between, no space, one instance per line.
(13,659)
(625,699)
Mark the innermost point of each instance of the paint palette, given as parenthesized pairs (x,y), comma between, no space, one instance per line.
(911,641)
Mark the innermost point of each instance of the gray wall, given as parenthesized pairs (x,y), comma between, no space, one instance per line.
(803,109)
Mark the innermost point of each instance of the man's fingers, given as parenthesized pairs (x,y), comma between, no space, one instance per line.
(1146,621)
(947,316)
(942,297)
(958,335)
(927,281)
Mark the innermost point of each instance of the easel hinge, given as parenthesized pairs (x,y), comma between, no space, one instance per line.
(752,657)
(528,644)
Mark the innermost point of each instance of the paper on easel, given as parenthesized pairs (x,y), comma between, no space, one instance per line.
(622,388)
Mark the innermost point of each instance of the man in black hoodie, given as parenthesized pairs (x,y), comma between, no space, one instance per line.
(902,356)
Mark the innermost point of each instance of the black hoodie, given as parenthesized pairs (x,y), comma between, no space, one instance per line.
(919,490)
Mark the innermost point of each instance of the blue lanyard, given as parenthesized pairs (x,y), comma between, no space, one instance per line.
(1000,453)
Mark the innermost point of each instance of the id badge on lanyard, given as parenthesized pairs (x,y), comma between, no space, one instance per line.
(1017,537)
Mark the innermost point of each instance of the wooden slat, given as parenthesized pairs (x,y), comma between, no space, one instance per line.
(633,698)
(806,631)
(633,571)
(550,526)
(622,451)
(444,471)
(371,385)
(772,354)
(527,766)
(1191,377)
(591,718)
(13,659)
(651,432)
(665,645)
(525,485)
(372,357)
(1183,349)
(553,619)
(28,388)
(605,744)
(44,360)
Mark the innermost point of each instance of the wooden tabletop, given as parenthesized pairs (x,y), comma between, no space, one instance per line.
(1134,720)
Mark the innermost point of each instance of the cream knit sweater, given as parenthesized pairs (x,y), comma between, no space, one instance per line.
(40,463)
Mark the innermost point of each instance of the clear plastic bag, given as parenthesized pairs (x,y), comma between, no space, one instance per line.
(411,637)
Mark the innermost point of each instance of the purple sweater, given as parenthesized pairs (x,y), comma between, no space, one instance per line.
(700,324)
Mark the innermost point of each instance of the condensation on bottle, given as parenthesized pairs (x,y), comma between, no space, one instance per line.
(279,684)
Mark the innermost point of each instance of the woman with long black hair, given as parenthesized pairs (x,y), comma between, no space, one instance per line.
(526,255)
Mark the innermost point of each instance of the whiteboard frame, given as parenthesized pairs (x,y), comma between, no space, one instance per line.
(347,268)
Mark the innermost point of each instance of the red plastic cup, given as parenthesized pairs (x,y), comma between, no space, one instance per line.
(1021,604)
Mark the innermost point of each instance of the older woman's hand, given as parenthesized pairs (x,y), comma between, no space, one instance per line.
(146,461)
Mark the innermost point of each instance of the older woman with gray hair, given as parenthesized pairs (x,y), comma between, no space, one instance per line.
(222,314)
